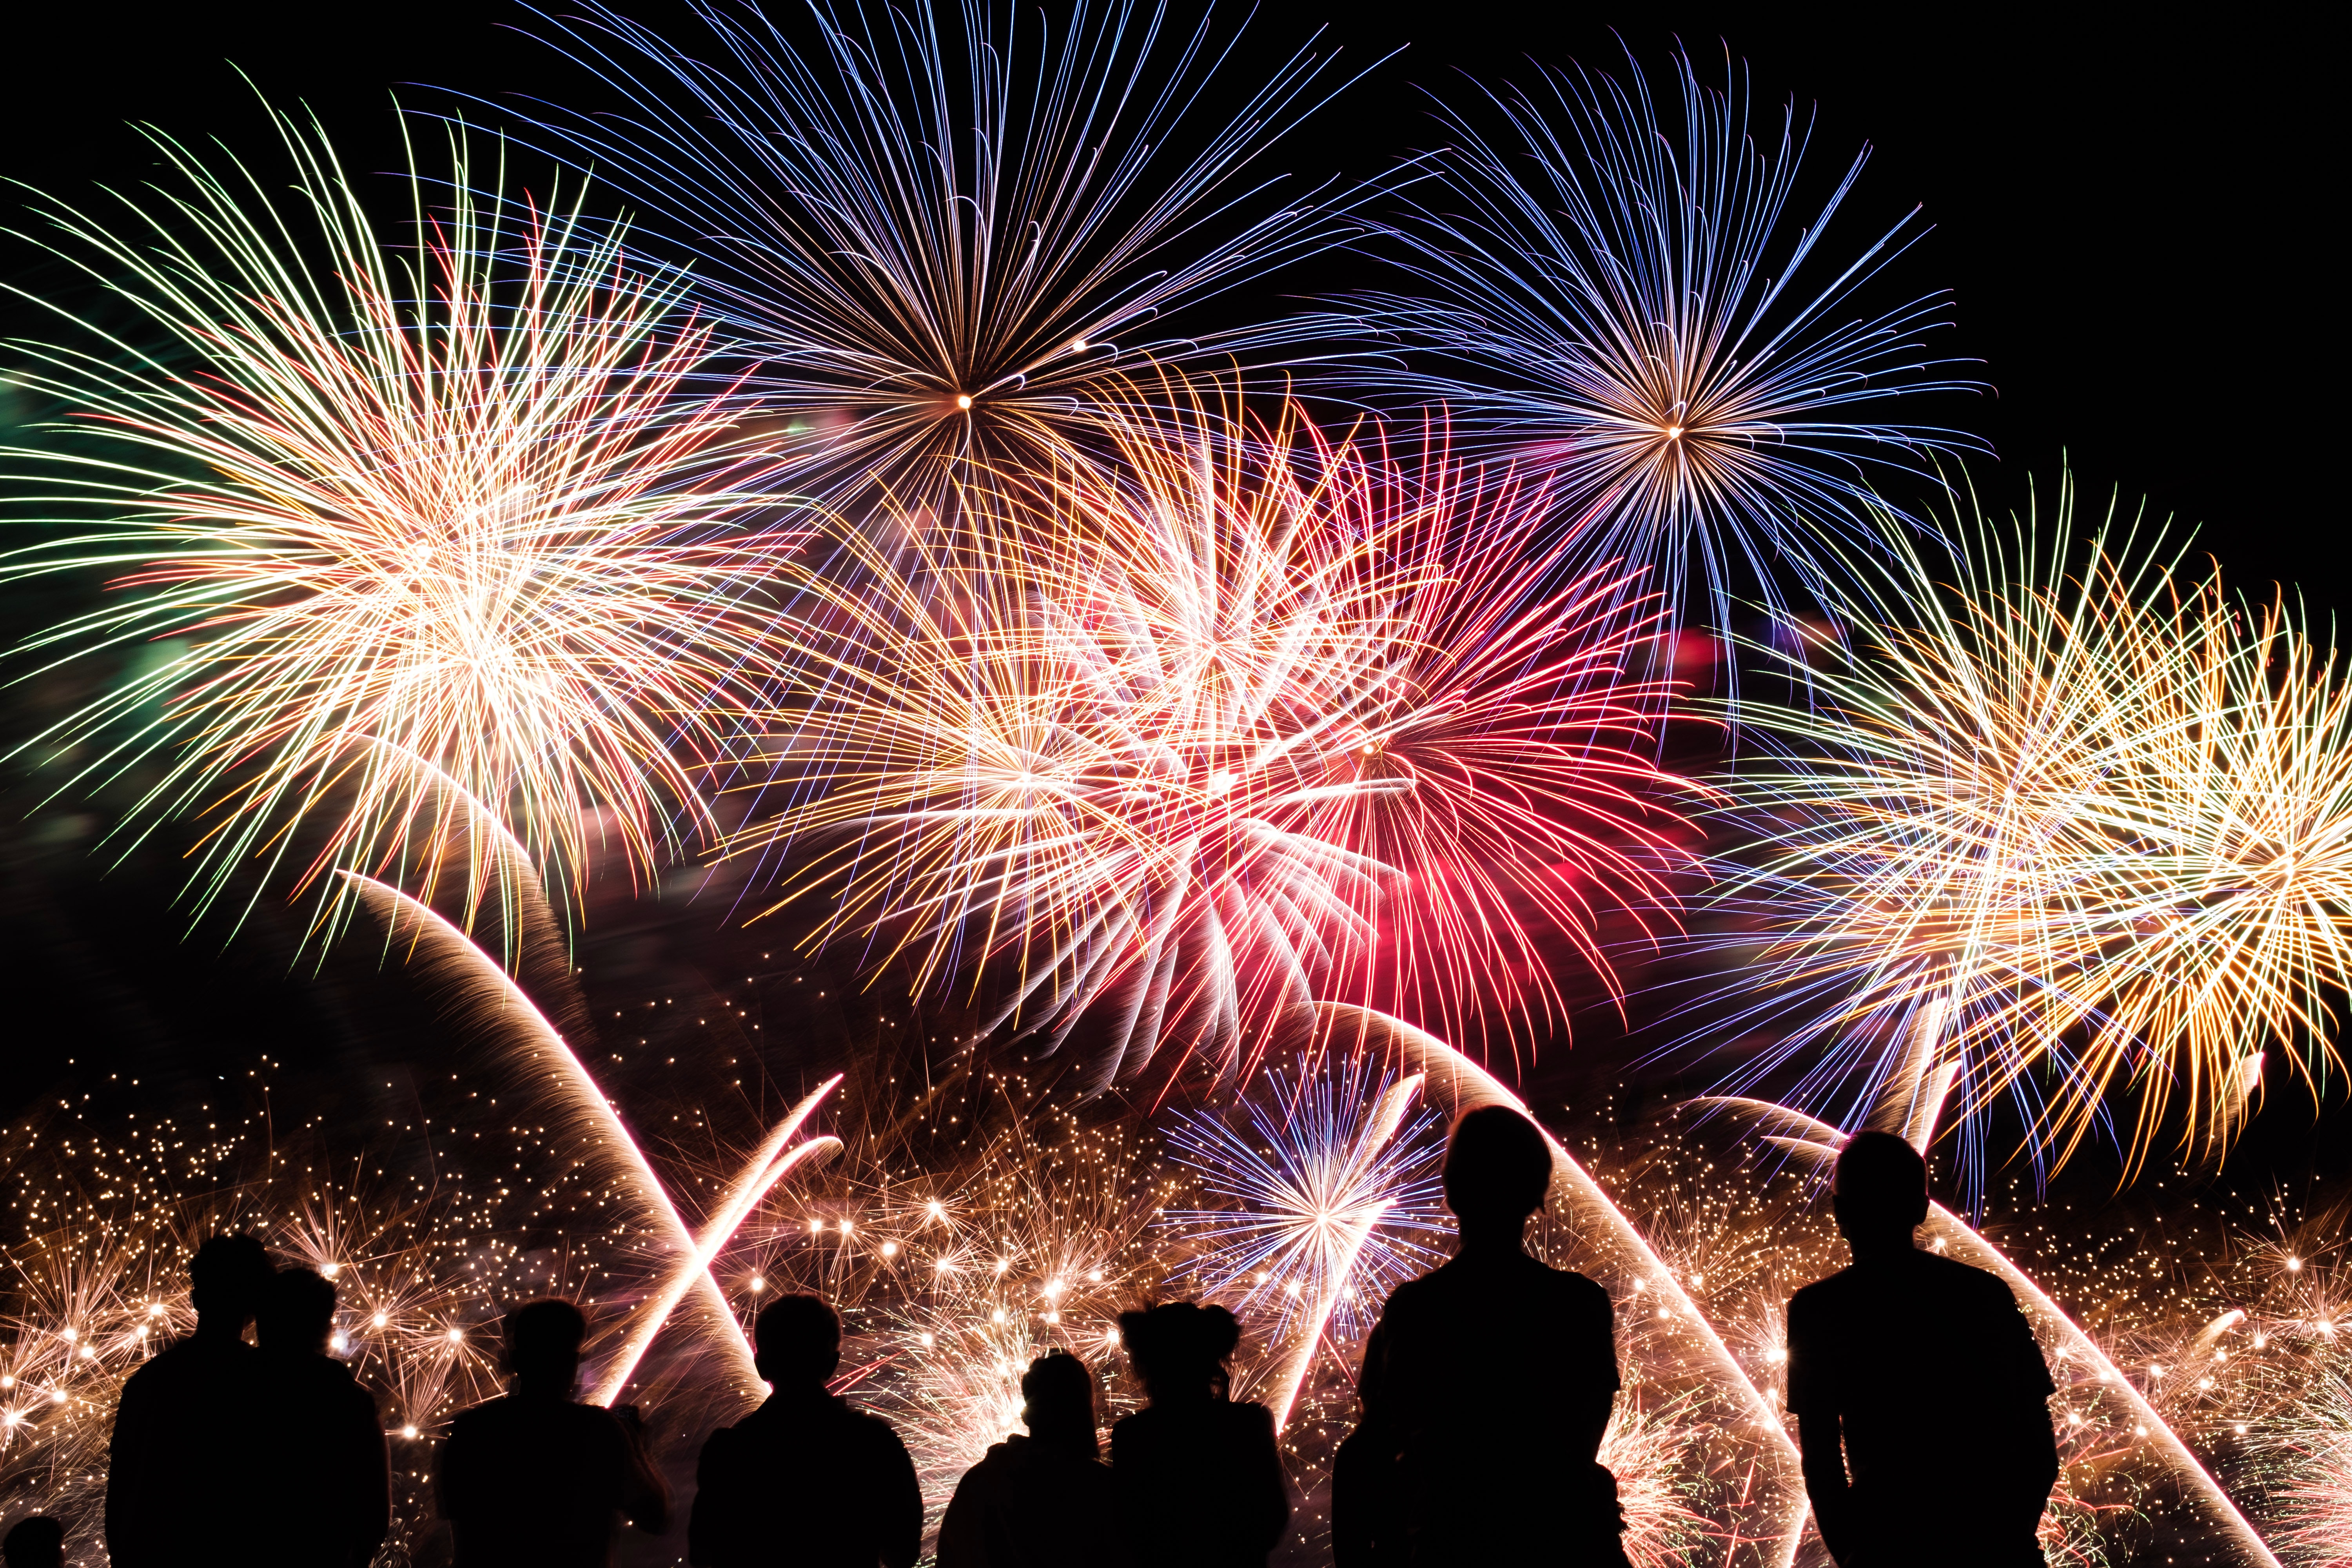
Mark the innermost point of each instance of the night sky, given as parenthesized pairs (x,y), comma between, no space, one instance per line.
(2131,219)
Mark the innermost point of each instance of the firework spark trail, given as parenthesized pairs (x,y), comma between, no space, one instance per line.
(1266,719)
(1613,303)
(932,257)
(2045,806)
(769,1164)
(474,986)
(1461,1085)
(457,505)
(1817,1142)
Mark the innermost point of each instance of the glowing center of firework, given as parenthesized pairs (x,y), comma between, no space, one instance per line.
(963,400)
(1673,432)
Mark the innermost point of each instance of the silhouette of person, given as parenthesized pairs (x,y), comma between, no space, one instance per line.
(533,1479)
(180,1458)
(806,1479)
(37,1542)
(1197,1479)
(1915,1380)
(324,1492)
(1456,1462)
(1044,1500)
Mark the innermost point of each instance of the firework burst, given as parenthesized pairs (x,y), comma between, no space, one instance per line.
(1620,303)
(398,521)
(1331,1190)
(933,239)
(2074,829)
(1258,716)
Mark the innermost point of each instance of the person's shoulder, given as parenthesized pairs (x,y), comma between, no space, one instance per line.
(1404,1298)
(1248,1415)
(869,1427)
(1973,1289)
(594,1423)
(1822,1295)
(1581,1289)
(1951,1274)
(487,1416)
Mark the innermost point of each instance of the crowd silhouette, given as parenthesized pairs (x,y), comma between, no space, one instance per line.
(271,1453)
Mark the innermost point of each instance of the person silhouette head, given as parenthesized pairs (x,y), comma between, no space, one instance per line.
(226,1280)
(297,1312)
(37,1542)
(1060,1408)
(1497,1170)
(796,1341)
(544,1348)
(1179,1349)
(1879,1194)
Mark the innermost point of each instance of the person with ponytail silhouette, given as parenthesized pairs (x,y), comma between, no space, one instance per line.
(1197,1476)
(1042,1500)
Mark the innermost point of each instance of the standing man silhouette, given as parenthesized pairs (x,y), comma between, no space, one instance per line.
(179,1484)
(534,1479)
(324,1488)
(806,1478)
(1457,1463)
(1915,1380)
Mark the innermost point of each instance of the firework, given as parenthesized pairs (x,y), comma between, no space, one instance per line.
(1330,1185)
(456,526)
(1622,304)
(961,1237)
(1672,1343)
(472,988)
(933,239)
(772,1163)
(95,1282)
(2097,1402)
(1257,720)
(2073,830)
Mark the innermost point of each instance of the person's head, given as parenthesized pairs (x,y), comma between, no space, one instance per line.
(1879,1192)
(226,1280)
(797,1342)
(1179,1348)
(36,1542)
(297,1311)
(543,1347)
(1059,1395)
(1497,1169)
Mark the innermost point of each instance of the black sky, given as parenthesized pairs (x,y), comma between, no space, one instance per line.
(2130,210)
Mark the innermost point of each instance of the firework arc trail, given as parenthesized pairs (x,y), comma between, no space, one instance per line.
(461,521)
(1263,718)
(474,986)
(1623,1256)
(770,1165)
